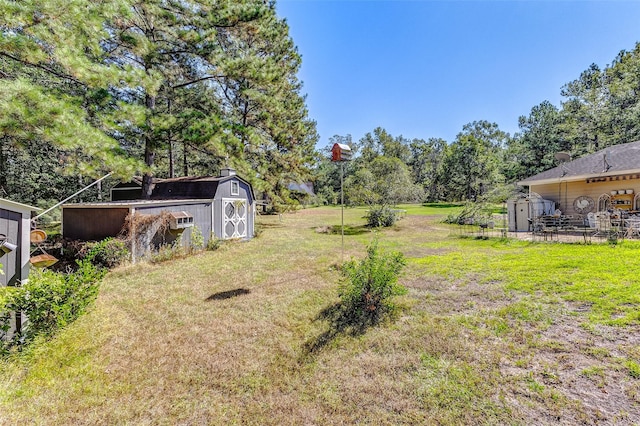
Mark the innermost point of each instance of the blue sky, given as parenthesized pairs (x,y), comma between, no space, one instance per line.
(423,69)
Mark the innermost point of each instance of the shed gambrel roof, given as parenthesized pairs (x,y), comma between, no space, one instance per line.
(611,161)
(196,187)
(192,187)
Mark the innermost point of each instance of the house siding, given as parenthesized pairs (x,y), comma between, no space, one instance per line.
(564,193)
(201,218)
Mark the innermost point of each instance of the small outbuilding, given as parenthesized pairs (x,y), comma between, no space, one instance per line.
(15,245)
(15,229)
(522,210)
(221,206)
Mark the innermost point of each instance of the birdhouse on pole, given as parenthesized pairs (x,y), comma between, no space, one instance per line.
(340,152)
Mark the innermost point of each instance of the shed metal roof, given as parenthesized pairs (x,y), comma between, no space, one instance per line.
(135,203)
(611,161)
(15,206)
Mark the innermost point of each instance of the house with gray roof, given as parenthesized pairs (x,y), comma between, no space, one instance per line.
(605,180)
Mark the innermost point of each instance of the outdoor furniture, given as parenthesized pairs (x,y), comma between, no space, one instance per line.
(632,226)
(548,225)
(603,224)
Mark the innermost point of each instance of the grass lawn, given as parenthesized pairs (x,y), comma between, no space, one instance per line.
(491,332)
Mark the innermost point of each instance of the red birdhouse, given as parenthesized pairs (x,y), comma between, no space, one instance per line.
(340,152)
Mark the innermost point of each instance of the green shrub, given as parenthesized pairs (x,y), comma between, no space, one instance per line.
(257,229)
(381,216)
(197,239)
(370,284)
(7,295)
(214,243)
(168,252)
(51,300)
(107,253)
(472,213)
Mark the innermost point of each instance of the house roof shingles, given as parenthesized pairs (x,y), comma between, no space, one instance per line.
(621,159)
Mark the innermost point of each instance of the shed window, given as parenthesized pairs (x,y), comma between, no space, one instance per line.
(235,188)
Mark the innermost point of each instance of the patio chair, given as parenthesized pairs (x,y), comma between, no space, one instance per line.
(633,227)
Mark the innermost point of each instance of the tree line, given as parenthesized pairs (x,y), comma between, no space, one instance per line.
(600,108)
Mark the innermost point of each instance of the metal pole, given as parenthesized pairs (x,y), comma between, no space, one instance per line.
(71,196)
(342,203)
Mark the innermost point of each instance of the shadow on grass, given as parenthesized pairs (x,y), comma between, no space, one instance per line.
(348,230)
(341,321)
(228,294)
(442,205)
(271,225)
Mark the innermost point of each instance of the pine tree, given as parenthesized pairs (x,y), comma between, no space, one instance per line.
(54,83)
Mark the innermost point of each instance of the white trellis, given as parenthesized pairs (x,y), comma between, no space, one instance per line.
(235,218)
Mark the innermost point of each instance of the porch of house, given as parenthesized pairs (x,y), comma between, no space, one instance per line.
(600,228)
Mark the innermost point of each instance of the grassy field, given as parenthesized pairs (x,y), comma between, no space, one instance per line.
(491,332)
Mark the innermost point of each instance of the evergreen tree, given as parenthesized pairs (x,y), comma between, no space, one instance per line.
(55,84)
(264,108)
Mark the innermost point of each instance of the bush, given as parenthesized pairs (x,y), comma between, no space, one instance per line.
(214,243)
(381,216)
(472,213)
(6,302)
(168,252)
(197,240)
(369,285)
(107,253)
(258,229)
(50,299)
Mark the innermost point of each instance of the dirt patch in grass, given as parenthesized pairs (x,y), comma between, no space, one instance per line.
(455,297)
(578,374)
(553,368)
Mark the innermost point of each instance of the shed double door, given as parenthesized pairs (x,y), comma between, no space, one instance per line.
(235,218)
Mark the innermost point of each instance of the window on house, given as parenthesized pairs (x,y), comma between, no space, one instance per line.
(235,188)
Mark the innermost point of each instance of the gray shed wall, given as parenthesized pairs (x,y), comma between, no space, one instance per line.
(11,226)
(201,218)
(15,223)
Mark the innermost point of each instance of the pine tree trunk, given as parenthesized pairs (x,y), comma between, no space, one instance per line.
(149,150)
(185,161)
(172,167)
(3,166)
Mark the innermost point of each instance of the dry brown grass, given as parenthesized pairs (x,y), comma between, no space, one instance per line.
(223,338)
